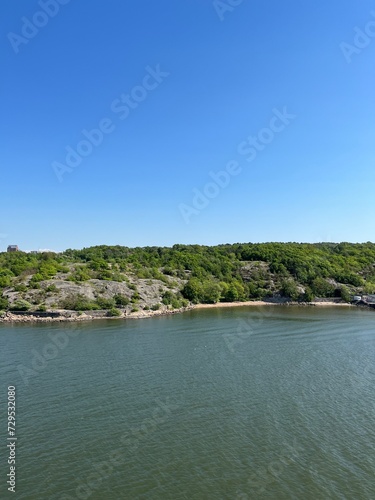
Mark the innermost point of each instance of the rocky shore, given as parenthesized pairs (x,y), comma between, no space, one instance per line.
(74,316)
(58,316)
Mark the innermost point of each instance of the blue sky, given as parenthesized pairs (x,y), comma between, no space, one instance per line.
(217,74)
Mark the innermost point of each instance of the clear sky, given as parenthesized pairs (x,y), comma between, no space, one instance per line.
(182,88)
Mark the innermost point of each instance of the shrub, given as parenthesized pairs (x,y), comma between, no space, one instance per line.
(37,278)
(51,288)
(78,303)
(121,300)
(175,303)
(168,297)
(113,312)
(134,309)
(322,288)
(35,285)
(105,303)
(20,305)
(345,293)
(4,281)
(308,295)
(4,303)
(155,307)
(20,288)
(81,274)
(289,289)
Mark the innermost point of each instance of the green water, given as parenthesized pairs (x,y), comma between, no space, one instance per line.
(243,403)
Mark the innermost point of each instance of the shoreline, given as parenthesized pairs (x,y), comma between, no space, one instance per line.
(264,303)
(63,316)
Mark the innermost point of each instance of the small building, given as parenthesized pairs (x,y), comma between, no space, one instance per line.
(357,298)
(12,248)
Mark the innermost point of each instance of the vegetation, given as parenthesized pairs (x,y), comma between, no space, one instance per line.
(189,273)
(113,312)
(20,305)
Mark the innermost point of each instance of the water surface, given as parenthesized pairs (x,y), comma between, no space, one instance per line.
(239,403)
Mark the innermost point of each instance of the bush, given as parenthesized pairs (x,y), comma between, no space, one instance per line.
(176,304)
(80,274)
(4,303)
(79,303)
(134,309)
(345,293)
(168,297)
(20,305)
(121,300)
(308,295)
(155,307)
(51,288)
(4,281)
(37,278)
(113,312)
(206,291)
(322,288)
(105,303)
(35,285)
(20,288)
(289,289)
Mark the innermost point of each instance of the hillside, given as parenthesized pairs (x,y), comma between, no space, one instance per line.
(124,280)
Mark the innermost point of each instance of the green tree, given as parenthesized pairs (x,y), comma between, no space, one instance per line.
(308,295)
(211,292)
(345,293)
(192,290)
(322,288)
(289,289)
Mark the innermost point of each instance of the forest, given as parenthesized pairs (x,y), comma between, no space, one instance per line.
(196,273)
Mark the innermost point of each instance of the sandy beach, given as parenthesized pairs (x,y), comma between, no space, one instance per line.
(73,316)
(263,303)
